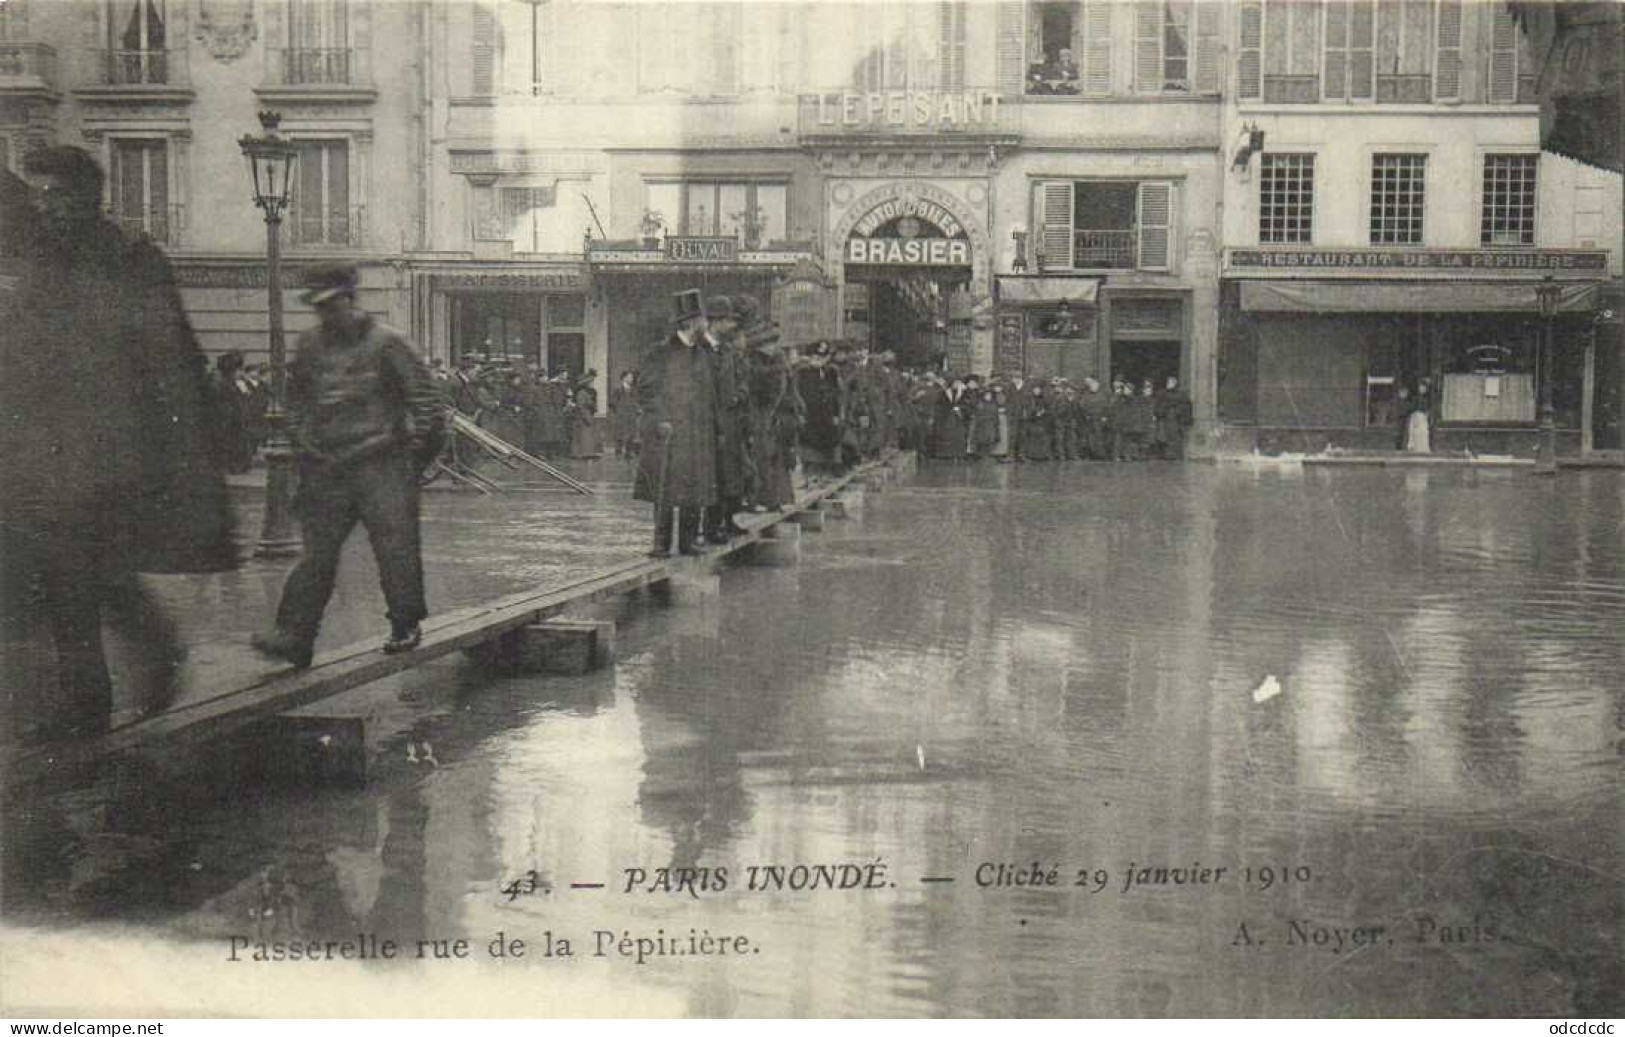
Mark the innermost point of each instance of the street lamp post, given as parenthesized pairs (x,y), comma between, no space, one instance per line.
(270,161)
(1547,295)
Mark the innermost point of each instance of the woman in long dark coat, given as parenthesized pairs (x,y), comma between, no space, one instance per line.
(623,415)
(948,408)
(1038,426)
(774,422)
(819,385)
(584,438)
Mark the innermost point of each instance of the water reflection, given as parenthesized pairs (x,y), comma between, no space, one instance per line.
(1048,665)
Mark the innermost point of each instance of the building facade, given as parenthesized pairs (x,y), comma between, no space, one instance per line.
(1060,187)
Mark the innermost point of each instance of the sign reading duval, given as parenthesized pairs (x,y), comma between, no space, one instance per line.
(890,235)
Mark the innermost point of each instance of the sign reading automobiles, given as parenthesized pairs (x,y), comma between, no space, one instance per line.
(908,231)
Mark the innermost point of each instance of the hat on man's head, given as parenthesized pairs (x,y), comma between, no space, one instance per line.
(329,280)
(720,307)
(747,309)
(74,166)
(686,306)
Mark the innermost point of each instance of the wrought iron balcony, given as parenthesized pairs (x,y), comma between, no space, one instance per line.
(1105,249)
(330,228)
(319,66)
(161,225)
(141,67)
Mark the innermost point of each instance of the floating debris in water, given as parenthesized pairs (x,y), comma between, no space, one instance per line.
(1267,690)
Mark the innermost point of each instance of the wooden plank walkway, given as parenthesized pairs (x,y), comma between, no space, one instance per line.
(354,665)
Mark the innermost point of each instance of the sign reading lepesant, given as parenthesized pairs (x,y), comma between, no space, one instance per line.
(906,109)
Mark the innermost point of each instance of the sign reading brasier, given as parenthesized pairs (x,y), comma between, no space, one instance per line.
(908,232)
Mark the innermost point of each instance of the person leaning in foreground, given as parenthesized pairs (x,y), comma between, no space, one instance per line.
(107,470)
(364,418)
(677,466)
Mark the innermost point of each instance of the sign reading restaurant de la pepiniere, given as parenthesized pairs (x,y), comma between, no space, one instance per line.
(1321,261)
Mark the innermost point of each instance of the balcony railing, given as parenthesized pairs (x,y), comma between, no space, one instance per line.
(319,66)
(335,228)
(141,67)
(27,65)
(1105,249)
(160,226)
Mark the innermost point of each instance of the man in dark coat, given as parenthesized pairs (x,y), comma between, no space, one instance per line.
(677,467)
(1174,418)
(107,469)
(365,418)
(731,377)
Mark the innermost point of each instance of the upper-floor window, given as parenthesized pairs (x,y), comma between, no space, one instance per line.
(1508,215)
(1162,47)
(909,46)
(1286,200)
(14,20)
(752,212)
(546,218)
(318,50)
(1070,46)
(137,33)
(1398,194)
(1372,51)
(1104,224)
(689,47)
(138,186)
(320,210)
(506,52)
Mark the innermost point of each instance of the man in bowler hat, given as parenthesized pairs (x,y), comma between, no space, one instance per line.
(677,467)
(365,418)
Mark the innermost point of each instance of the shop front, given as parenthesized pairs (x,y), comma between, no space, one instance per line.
(518,313)
(633,284)
(1309,363)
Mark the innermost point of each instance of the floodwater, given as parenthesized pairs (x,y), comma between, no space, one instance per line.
(1387,703)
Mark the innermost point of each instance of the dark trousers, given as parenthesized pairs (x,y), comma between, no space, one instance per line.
(381,493)
(688,527)
(61,576)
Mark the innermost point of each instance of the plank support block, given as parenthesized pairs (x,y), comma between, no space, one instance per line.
(812,518)
(848,504)
(780,545)
(295,749)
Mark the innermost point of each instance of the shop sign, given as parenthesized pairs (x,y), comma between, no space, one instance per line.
(1382,259)
(900,110)
(564,279)
(702,250)
(908,251)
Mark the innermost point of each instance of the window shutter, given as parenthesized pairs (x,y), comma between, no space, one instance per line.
(1503,57)
(951,44)
(1362,51)
(1208,22)
(1335,81)
(1447,56)
(485,50)
(1097,47)
(1148,46)
(1250,52)
(1156,230)
(1011,48)
(1052,205)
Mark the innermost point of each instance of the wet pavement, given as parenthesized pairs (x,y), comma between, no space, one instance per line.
(1386,703)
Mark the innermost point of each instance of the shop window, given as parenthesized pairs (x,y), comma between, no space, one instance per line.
(1508,216)
(1398,184)
(1286,200)
(1490,372)
(320,211)
(1104,224)
(753,213)
(138,187)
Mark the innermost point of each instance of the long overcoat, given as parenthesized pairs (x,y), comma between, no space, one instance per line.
(675,385)
(820,389)
(104,402)
(775,422)
(732,383)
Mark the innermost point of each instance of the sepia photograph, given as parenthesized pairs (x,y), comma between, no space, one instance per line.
(786,509)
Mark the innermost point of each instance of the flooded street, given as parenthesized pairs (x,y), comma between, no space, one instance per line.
(1099,740)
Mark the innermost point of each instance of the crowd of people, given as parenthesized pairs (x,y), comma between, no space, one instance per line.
(551,416)
(1012,418)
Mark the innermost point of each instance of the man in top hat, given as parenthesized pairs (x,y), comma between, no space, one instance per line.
(364,418)
(677,467)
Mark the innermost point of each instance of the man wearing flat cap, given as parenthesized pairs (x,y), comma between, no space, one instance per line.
(365,418)
(677,468)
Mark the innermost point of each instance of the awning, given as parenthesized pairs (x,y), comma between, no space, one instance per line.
(1076,291)
(1428,297)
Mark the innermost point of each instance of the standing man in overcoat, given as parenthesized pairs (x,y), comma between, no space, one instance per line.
(732,381)
(365,418)
(677,467)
